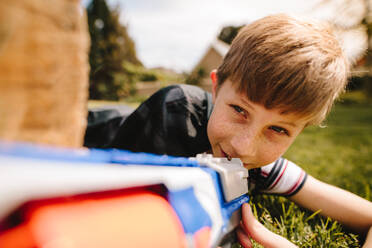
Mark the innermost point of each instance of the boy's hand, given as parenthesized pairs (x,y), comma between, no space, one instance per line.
(250,228)
(368,242)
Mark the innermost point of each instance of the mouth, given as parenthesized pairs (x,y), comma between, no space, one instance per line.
(229,157)
(247,166)
(224,154)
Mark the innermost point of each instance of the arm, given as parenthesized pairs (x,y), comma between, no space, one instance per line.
(343,206)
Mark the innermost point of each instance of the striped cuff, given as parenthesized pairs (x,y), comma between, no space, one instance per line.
(281,177)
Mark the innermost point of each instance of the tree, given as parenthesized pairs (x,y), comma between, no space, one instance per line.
(111,49)
(228,33)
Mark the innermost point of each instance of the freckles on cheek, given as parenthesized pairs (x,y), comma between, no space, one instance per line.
(221,128)
(212,129)
(270,152)
(279,151)
(216,129)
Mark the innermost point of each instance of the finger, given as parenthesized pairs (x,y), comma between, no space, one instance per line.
(251,225)
(243,238)
(241,225)
(259,233)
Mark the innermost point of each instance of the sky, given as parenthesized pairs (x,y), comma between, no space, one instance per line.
(176,33)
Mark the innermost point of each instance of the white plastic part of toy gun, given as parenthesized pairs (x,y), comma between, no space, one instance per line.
(234,182)
(234,177)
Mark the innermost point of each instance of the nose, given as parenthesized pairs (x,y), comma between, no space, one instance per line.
(245,143)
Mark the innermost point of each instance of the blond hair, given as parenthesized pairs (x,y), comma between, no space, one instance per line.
(283,62)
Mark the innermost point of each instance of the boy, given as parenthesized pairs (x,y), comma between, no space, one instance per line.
(280,75)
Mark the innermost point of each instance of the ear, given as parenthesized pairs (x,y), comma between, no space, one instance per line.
(214,84)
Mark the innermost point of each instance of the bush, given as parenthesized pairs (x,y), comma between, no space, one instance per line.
(148,77)
(354,98)
(195,77)
(363,83)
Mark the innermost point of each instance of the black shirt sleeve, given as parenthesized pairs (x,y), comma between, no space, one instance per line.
(103,124)
(173,121)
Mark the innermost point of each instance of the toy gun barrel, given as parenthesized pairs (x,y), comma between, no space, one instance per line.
(53,197)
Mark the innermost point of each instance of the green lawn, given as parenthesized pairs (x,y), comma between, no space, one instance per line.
(340,154)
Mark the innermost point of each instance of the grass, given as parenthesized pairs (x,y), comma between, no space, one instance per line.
(132,101)
(339,154)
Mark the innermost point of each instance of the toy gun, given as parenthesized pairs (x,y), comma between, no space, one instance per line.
(55,197)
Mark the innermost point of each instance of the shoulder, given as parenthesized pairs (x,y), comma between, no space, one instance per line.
(172,121)
(182,98)
(181,92)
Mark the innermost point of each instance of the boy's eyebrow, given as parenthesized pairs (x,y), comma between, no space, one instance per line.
(288,123)
(246,103)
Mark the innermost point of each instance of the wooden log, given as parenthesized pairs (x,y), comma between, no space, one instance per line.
(43,71)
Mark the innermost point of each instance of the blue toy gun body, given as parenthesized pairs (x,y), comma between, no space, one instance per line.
(112,198)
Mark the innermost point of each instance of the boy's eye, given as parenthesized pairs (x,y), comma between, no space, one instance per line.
(279,130)
(239,110)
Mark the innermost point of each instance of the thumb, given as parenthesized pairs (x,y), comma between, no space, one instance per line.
(261,234)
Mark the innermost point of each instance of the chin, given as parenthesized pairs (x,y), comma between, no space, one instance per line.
(250,166)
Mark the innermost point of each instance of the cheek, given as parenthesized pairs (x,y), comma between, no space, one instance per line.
(217,128)
(272,151)
(270,155)
(212,130)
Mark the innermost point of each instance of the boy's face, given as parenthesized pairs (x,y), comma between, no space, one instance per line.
(246,130)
